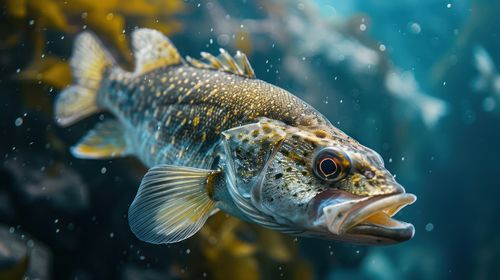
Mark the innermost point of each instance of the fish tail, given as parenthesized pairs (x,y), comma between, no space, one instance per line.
(89,62)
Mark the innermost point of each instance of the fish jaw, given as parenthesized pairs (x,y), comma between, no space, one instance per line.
(363,220)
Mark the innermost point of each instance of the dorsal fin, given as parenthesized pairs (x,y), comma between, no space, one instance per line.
(152,50)
(238,64)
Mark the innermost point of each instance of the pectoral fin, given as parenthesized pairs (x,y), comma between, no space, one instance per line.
(172,203)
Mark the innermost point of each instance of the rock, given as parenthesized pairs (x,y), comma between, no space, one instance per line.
(135,273)
(60,188)
(21,255)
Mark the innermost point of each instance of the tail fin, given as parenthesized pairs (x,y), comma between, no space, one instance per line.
(88,63)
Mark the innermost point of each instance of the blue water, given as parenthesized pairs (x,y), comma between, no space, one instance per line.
(417,81)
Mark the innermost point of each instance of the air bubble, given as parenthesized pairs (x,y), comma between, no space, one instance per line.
(429,227)
(415,28)
(19,121)
(489,104)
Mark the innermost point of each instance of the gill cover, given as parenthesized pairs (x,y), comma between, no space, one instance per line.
(249,150)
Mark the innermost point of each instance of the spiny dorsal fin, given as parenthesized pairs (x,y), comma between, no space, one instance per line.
(172,203)
(238,64)
(152,50)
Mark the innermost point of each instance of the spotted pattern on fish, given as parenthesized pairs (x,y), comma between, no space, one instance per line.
(176,114)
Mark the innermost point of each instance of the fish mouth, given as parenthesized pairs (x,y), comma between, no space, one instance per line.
(370,220)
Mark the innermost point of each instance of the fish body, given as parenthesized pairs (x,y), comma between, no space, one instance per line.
(215,137)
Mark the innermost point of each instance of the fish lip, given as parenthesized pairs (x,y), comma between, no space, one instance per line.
(371,218)
(384,234)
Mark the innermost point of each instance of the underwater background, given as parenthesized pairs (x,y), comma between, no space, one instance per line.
(417,81)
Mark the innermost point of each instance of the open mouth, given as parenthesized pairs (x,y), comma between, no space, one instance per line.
(371,218)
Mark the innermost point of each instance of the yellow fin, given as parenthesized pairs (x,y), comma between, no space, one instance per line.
(238,64)
(88,64)
(153,50)
(172,203)
(106,140)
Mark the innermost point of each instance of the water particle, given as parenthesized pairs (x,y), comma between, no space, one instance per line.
(448,5)
(142,258)
(382,47)
(429,227)
(415,28)
(31,22)
(223,39)
(188,251)
(18,70)
(30,243)
(362,27)
(341,101)
(110,16)
(489,104)
(12,229)
(402,158)
(19,121)
(103,170)
(111,235)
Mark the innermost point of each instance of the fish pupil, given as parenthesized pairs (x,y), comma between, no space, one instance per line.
(328,166)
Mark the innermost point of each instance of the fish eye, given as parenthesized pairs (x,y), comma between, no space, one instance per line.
(331,164)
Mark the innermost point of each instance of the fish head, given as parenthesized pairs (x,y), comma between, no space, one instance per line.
(316,182)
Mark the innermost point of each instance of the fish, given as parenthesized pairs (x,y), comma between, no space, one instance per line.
(215,137)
